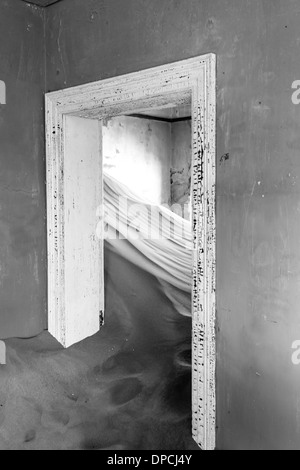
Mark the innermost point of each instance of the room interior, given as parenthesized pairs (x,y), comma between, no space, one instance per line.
(93,394)
(151,154)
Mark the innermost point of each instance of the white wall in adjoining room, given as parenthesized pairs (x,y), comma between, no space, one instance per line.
(137,152)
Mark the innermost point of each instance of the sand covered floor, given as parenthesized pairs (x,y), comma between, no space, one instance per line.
(127,388)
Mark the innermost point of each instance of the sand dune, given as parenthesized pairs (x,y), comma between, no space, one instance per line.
(128,387)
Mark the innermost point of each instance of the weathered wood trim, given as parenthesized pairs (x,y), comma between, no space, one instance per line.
(204,276)
(190,80)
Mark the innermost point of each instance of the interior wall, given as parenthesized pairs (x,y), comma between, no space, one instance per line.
(258,200)
(137,152)
(22,172)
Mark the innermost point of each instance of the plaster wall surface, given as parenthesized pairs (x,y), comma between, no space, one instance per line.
(22,172)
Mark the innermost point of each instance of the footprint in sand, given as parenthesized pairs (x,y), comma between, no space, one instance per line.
(124,364)
(55,418)
(30,436)
(124,391)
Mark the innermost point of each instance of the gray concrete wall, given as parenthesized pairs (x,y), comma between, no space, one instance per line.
(138,152)
(22,172)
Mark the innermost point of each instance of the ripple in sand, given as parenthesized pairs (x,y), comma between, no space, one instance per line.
(116,447)
(184,358)
(125,390)
(124,363)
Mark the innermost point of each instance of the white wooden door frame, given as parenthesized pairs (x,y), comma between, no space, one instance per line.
(192,80)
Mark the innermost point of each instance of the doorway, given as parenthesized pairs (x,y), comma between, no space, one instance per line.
(74,120)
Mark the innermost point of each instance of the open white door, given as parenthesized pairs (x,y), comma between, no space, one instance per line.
(82,281)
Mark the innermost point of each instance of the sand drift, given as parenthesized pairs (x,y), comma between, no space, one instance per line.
(153,238)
